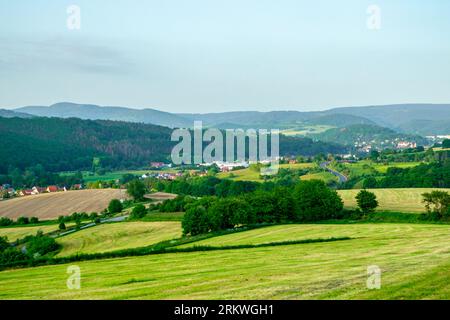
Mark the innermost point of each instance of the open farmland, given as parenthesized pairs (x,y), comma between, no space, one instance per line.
(402,200)
(14,233)
(252,174)
(408,256)
(117,236)
(52,205)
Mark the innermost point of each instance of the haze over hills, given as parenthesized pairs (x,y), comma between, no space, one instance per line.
(424,119)
(94,112)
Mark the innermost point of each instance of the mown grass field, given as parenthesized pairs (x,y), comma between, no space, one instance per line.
(414,260)
(117,236)
(402,200)
(14,233)
(52,205)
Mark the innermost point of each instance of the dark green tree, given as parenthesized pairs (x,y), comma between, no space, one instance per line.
(367,201)
(136,189)
(115,206)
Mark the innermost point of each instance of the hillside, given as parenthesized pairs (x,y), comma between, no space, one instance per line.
(71,144)
(410,256)
(408,118)
(11,114)
(395,116)
(360,135)
(94,112)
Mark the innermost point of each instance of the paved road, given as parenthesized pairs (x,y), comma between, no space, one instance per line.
(341,177)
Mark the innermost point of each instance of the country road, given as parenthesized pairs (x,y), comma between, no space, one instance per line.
(341,177)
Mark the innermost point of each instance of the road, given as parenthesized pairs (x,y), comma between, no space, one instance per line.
(341,177)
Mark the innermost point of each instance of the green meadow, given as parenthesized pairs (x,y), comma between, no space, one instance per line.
(118,236)
(414,261)
(400,200)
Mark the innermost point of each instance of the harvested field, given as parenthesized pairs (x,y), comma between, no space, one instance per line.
(52,205)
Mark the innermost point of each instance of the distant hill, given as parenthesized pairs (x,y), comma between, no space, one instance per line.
(359,135)
(394,116)
(71,144)
(94,112)
(11,114)
(407,118)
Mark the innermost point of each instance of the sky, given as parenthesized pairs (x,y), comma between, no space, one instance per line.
(225,55)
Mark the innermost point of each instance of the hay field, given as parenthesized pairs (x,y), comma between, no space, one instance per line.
(402,200)
(51,205)
(117,236)
(414,261)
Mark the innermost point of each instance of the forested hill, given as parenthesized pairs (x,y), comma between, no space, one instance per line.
(71,144)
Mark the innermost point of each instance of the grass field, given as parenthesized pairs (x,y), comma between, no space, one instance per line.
(305,130)
(327,177)
(250,174)
(403,200)
(14,233)
(52,205)
(414,260)
(117,236)
(368,167)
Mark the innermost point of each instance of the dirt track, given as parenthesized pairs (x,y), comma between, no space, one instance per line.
(52,205)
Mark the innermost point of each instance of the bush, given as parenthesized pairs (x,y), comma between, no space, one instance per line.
(367,201)
(315,201)
(40,245)
(34,220)
(62,226)
(11,255)
(23,220)
(115,206)
(4,244)
(5,222)
(138,212)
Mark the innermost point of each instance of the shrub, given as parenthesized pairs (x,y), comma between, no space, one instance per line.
(315,201)
(40,245)
(62,226)
(367,201)
(4,244)
(115,206)
(34,220)
(23,220)
(5,222)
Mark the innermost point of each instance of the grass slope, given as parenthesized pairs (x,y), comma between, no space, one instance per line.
(403,200)
(414,260)
(14,233)
(52,205)
(116,236)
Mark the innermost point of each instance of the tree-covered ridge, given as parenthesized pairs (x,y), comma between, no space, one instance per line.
(364,135)
(71,144)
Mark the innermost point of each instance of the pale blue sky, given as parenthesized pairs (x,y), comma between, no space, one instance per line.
(211,56)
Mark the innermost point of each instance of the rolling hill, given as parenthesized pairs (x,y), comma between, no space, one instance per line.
(407,118)
(94,112)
